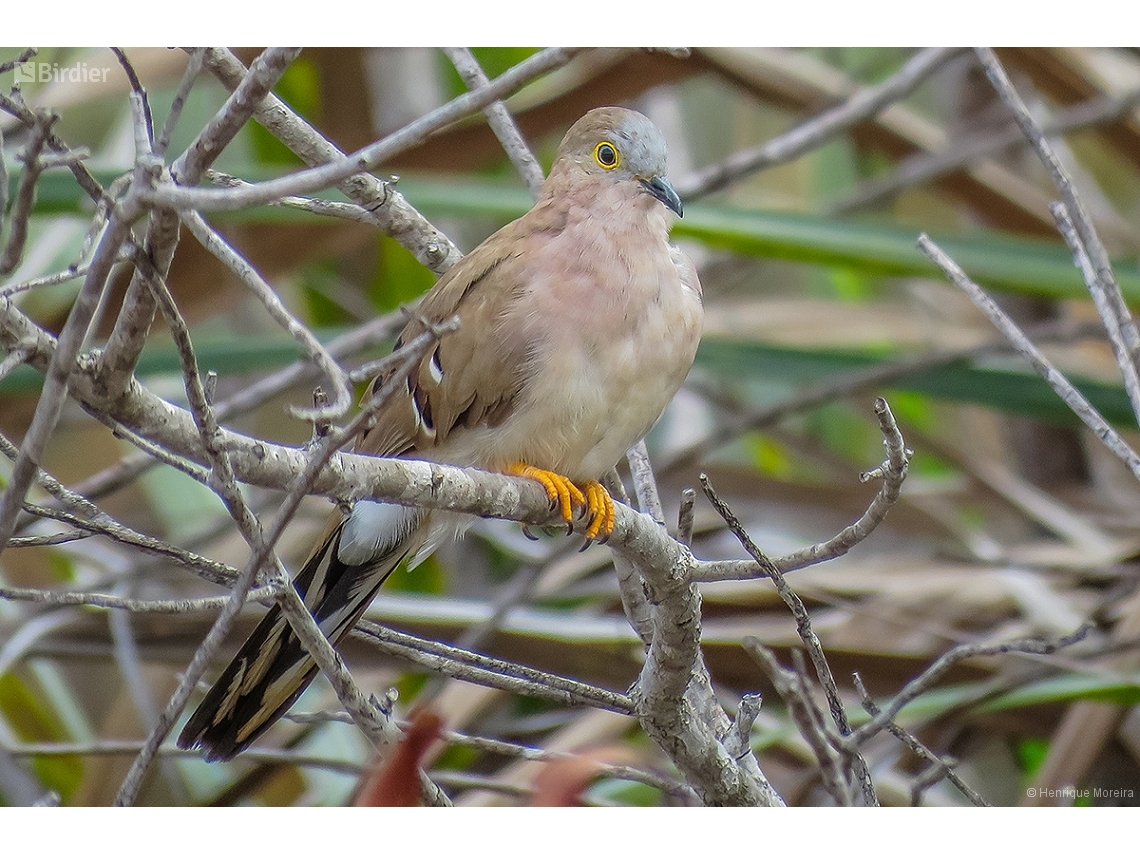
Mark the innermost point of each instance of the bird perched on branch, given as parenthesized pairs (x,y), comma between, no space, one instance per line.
(578,323)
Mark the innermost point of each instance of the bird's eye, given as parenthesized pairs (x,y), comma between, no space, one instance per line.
(606,155)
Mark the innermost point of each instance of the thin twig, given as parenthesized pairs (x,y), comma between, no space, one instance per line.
(484,670)
(318,178)
(1068,393)
(264,73)
(76,272)
(225,253)
(522,752)
(48,540)
(225,484)
(124,346)
(500,120)
(25,193)
(13,360)
(1081,220)
(1105,305)
(803,627)
(943,764)
(24,56)
(139,90)
(154,452)
(207,569)
(860,106)
(372,722)
(951,657)
(67,347)
(79,169)
(126,470)
(193,67)
(319,207)
(388,209)
(129,604)
(959,153)
(892,472)
(685,516)
(739,740)
(793,688)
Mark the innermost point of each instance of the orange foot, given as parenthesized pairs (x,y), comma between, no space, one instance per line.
(566,494)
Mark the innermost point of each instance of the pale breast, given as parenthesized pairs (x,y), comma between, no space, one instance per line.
(612,334)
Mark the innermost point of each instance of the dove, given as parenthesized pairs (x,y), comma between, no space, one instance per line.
(578,322)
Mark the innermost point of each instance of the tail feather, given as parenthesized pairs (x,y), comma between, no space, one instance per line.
(272,669)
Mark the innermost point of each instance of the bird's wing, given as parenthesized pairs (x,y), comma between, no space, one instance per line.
(473,376)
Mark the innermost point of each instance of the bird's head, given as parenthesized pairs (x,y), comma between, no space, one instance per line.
(618,145)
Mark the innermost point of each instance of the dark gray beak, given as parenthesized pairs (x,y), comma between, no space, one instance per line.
(663,191)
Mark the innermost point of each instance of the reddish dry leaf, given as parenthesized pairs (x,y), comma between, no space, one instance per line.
(395,782)
(562,782)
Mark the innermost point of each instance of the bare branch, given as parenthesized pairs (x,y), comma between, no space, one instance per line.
(951,657)
(387,209)
(129,604)
(263,75)
(451,661)
(1068,393)
(500,120)
(15,358)
(125,344)
(675,702)
(944,766)
(83,176)
(368,158)
(48,539)
(812,133)
(193,67)
(211,571)
(793,688)
(75,272)
(803,627)
(1114,314)
(67,348)
(319,207)
(217,245)
(25,192)
(372,722)
(685,517)
(137,88)
(644,483)
(24,56)
(1083,223)
(960,153)
(892,472)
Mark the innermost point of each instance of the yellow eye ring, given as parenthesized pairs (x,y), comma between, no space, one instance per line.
(607,155)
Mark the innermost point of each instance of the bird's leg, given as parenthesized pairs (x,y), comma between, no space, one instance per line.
(565,494)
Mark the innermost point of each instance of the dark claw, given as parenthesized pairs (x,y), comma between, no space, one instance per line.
(586,545)
(527,534)
(569,528)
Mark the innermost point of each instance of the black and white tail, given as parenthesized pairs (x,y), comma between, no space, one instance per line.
(272,669)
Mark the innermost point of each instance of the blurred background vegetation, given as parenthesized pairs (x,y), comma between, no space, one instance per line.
(1013,521)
